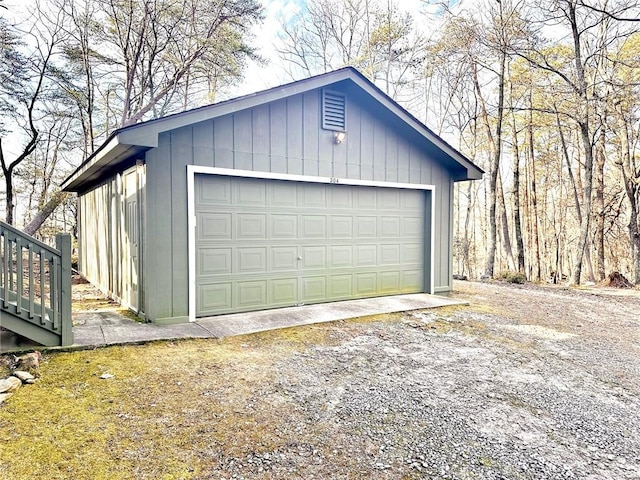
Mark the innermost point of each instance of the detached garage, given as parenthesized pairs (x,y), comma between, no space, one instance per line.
(316,191)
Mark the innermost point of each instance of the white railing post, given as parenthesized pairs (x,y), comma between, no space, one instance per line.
(63,244)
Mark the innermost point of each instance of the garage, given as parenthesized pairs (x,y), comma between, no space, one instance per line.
(320,190)
(265,243)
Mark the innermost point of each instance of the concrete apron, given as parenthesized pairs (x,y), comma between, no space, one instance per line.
(92,329)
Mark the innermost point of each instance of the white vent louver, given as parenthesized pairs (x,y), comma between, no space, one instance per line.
(333,111)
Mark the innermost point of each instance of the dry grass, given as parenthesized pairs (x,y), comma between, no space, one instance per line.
(173,410)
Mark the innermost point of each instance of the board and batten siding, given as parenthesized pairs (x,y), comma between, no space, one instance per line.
(108,229)
(99,221)
(284,137)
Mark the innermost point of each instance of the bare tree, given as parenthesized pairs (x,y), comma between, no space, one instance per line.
(26,92)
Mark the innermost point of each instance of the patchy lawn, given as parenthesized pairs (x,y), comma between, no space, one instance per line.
(526,383)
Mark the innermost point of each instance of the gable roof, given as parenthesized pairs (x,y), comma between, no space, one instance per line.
(133,140)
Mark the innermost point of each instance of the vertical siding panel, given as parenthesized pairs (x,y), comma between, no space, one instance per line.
(425,165)
(203,144)
(82,236)
(181,155)
(158,238)
(261,138)
(242,140)
(366,145)
(402,157)
(339,152)
(416,164)
(294,136)
(223,142)
(353,141)
(311,132)
(379,151)
(278,137)
(403,168)
(439,233)
(448,215)
(113,222)
(392,159)
(443,219)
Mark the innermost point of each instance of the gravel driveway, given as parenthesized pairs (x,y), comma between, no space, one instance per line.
(526,383)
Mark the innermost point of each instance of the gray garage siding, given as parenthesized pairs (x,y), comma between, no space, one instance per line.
(99,242)
(110,219)
(280,137)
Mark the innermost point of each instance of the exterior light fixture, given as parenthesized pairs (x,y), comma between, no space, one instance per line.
(339,137)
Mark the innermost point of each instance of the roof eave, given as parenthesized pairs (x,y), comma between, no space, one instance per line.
(112,152)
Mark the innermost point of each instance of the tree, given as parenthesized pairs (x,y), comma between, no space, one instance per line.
(163,50)
(372,35)
(117,62)
(25,85)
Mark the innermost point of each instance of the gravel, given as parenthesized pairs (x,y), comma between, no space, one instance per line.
(526,383)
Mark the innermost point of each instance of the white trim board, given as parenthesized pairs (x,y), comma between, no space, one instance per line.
(192,170)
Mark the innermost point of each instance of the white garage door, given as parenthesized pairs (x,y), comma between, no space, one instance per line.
(270,243)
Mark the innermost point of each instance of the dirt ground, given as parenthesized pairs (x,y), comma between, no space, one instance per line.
(526,382)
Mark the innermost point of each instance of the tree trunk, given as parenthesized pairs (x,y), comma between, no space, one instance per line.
(586,201)
(534,194)
(508,249)
(32,227)
(495,162)
(632,189)
(598,206)
(516,197)
(10,202)
(583,123)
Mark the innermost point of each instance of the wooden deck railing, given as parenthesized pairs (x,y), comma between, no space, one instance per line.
(35,287)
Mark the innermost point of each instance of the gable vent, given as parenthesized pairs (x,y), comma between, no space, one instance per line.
(333,111)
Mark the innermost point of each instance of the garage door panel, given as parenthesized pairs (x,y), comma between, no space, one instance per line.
(340,198)
(271,243)
(412,228)
(283,194)
(214,226)
(256,195)
(284,258)
(284,291)
(340,256)
(314,196)
(314,258)
(388,199)
(214,297)
(251,293)
(313,226)
(389,227)
(251,260)
(314,289)
(217,192)
(366,227)
(214,261)
(390,282)
(340,286)
(365,255)
(365,198)
(411,253)
(389,254)
(251,226)
(365,284)
(412,280)
(340,226)
(284,226)
(413,203)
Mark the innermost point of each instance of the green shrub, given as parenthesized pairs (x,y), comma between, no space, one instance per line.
(511,277)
